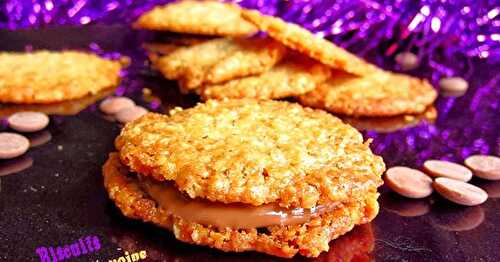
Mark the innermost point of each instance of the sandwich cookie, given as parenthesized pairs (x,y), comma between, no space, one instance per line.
(240,175)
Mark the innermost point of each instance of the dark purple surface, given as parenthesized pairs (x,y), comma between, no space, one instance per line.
(61,198)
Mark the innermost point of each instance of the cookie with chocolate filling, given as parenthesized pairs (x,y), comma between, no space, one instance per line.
(356,245)
(252,152)
(234,227)
(242,175)
(44,77)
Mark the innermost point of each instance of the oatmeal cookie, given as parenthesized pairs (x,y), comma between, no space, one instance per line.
(253,152)
(197,17)
(45,77)
(302,40)
(194,58)
(292,77)
(219,60)
(308,239)
(255,56)
(379,94)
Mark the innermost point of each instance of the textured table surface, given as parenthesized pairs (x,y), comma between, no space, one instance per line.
(60,199)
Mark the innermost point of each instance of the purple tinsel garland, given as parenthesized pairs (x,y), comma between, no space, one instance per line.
(467,27)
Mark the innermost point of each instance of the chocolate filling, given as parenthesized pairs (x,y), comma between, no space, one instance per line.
(227,215)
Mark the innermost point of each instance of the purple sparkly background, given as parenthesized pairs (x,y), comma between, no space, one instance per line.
(467,27)
(450,37)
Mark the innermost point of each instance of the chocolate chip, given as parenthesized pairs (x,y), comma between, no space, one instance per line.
(28,121)
(440,168)
(408,182)
(484,166)
(130,114)
(453,85)
(113,105)
(12,145)
(460,192)
(407,60)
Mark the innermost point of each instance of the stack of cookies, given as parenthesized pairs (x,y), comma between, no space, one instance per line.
(241,175)
(231,61)
(241,171)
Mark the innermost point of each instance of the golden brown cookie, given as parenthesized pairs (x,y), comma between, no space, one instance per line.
(356,245)
(380,94)
(294,76)
(219,60)
(47,76)
(308,239)
(194,58)
(302,40)
(197,17)
(247,57)
(254,56)
(253,152)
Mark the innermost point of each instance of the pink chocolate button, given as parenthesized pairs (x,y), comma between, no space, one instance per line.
(28,121)
(484,166)
(441,168)
(407,60)
(460,192)
(12,145)
(130,114)
(113,105)
(408,182)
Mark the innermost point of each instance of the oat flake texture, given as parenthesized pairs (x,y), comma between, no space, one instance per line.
(381,94)
(253,152)
(197,17)
(308,239)
(48,76)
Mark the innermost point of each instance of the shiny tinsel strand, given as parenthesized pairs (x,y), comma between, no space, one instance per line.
(468,27)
